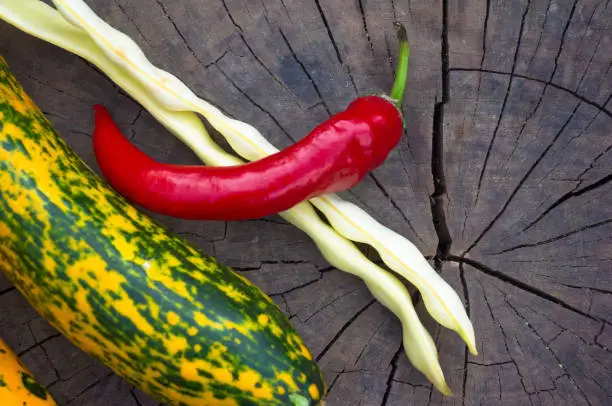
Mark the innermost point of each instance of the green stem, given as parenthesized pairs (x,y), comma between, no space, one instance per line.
(401,75)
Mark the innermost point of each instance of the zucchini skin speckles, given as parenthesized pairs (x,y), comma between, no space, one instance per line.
(168,318)
(17,386)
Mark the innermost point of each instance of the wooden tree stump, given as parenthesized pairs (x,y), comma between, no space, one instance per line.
(504,175)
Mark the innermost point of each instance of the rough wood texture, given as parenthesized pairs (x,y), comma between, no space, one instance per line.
(509,108)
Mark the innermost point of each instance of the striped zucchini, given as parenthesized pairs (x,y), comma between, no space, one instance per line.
(166,317)
(17,386)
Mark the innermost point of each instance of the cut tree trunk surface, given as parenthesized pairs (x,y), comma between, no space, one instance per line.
(504,176)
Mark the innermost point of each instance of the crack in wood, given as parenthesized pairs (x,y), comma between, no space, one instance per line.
(547,83)
(7,290)
(439,198)
(599,334)
(335,45)
(556,238)
(430,397)
(29,324)
(303,67)
(317,104)
(44,350)
(265,14)
(38,344)
(563,37)
(608,70)
(240,31)
(523,180)
(107,79)
(138,403)
(231,17)
(524,126)
(583,99)
(574,92)
(343,329)
(506,337)
(484,37)
(588,66)
(263,65)
(567,285)
(389,55)
(217,60)
(477,104)
(89,387)
(364,22)
(293,289)
(138,115)
(540,36)
(198,235)
(333,382)
(286,9)
(71,376)
(51,114)
(547,347)
(88,135)
(394,9)
(563,330)
(271,220)
(499,382)
(414,385)
(397,207)
(390,379)
(593,162)
(499,324)
(330,304)
(131,20)
(381,322)
(444,54)
(366,206)
(547,317)
(520,285)
(410,153)
(465,288)
(567,144)
(284,299)
(250,99)
(57,89)
(504,102)
(179,32)
(492,364)
(574,193)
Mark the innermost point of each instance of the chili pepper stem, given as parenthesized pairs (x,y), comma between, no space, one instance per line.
(401,75)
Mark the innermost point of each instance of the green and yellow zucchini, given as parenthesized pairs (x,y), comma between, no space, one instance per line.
(17,385)
(168,318)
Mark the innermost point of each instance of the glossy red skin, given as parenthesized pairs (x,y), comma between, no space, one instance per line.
(334,157)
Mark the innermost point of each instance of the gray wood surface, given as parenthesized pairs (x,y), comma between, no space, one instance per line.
(503,174)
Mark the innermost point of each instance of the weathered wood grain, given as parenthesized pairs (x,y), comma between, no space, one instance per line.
(504,174)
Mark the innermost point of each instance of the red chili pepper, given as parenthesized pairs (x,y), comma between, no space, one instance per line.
(334,157)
